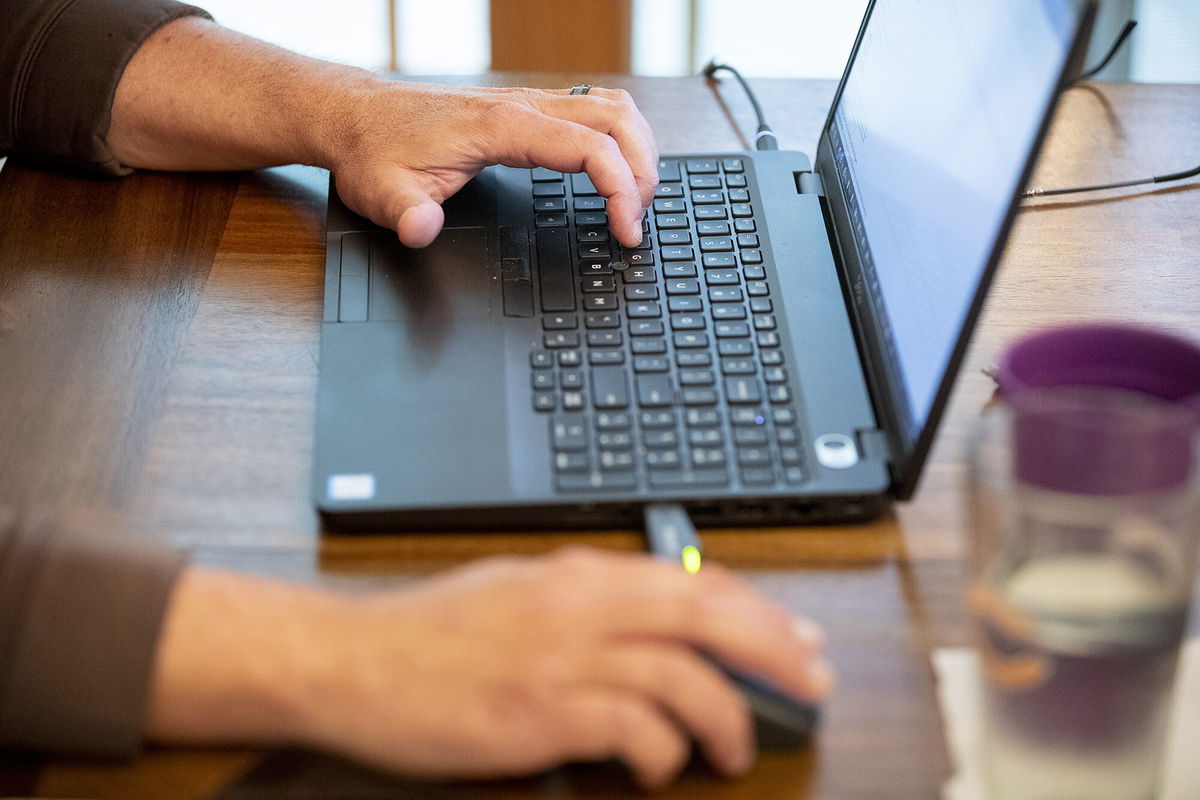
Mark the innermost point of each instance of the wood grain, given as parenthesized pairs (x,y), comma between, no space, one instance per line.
(157,346)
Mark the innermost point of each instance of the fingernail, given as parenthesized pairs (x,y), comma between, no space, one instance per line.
(822,678)
(809,631)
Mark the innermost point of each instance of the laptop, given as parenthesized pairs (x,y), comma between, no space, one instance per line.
(778,351)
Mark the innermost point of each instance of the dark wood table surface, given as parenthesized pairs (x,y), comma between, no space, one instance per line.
(158,359)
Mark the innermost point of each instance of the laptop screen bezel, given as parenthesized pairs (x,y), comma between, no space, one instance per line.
(908,452)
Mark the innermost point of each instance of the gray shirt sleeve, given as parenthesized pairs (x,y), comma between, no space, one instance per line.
(80,615)
(60,62)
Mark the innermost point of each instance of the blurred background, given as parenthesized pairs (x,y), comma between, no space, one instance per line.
(783,38)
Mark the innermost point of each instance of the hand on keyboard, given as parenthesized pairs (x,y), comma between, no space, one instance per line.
(405,148)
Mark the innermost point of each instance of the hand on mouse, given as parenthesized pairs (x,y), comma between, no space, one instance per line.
(196,96)
(502,667)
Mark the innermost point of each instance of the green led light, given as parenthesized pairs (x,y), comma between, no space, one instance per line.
(691,559)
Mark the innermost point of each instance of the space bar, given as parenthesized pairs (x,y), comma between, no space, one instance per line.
(554,270)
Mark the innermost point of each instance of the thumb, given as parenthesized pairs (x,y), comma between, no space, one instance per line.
(420,220)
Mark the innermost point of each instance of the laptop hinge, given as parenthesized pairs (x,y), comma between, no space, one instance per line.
(873,445)
(810,183)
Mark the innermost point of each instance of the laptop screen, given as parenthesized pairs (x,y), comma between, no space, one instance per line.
(930,137)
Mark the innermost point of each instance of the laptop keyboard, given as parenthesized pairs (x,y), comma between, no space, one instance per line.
(661,366)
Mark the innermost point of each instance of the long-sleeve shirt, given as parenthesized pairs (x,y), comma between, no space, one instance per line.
(60,61)
(80,612)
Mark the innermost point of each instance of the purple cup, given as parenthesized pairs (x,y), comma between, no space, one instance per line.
(1113,355)
(1101,442)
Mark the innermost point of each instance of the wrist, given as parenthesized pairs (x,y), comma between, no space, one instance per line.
(241,659)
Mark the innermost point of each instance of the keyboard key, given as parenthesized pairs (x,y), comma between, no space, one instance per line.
(694,304)
(596,481)
(683,286)
(540,359)
(779,394)
(735,347)
(694,377)
(549,190)
(742,210)
(569,432)
(668,190)
(771,358)
(707,198)
(607,338)
(655,390)
(679,269)
(675,237)
(753,456)
(682,479)
(645,327)
(657,420)
(758,476)
(572,401)
(614,440)
(602,319)
(571,379)
(571,462)
(595,268)
(662,460)
(659,439)
(678,253)
(747,240)
(581,184)
(705,437)
(560,322)
(732,165)
(719,261)
(760,305)
(701,166)
(716,244)
(710,212)
(736,181)
(569,358)
(615,461)
(644,309)
(542,175)
(685,340)
(700,397)
(669,205)
(721,277)
(598,357)
(693,358)
(742,390)
(750,437)
(641,291)
(671,221)
(687,322)
(599,302)
(542,380)
(754,272)
(728,311)
(604,283)
(589,204)
(712,228)
(775,375)
(731,330)
(757,288)
(560,339)
(747,416)
(705,182)
(752,257)
(586,219)
(613,421)
(595,252)
(550,220)
(550,204)
(725,294)
(639,275)
(668,171)
(702,418)
(544,401)
(708,457)
(637,258)
(738,366)
(650,364)
(648,346)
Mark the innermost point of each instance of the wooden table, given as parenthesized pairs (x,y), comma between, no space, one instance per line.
(158,354)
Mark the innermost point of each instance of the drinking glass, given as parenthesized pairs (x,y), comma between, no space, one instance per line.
(1085,517)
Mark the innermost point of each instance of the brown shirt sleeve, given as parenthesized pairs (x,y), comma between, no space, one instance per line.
(80,615)
(60,61)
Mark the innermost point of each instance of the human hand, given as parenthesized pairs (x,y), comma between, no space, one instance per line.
(400,149)
(503,667)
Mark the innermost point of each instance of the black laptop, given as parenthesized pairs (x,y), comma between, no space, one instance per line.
(778,351)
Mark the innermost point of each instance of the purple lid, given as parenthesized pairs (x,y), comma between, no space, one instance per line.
(1114,355)
(1101,442)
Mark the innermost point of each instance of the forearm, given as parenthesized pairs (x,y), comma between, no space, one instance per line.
(197,96)
(239,660)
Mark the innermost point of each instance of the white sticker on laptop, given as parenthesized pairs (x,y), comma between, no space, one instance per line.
(351,487)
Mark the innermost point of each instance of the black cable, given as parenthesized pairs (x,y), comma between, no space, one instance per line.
(764,137)
(1174,176)
(1112,51)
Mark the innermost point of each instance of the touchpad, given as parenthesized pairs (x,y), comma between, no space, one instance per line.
(453,278)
